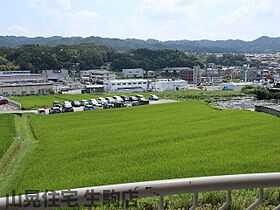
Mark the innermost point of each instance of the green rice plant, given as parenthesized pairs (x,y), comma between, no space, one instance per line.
(185,139)
(7,132)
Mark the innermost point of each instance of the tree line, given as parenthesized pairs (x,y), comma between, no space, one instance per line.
(91,56)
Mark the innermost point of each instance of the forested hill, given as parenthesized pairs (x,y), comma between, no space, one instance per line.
(260,45)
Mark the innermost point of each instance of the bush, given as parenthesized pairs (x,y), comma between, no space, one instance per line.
(249,89)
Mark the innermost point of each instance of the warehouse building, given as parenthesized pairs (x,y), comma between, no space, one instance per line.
(57,75)
(22,78)
(132,85)
(24,89)
(169,85)
(133,73)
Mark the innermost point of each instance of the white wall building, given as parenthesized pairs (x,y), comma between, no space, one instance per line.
(127,85)
(24,89)
(133,73)
(97,75)
(169,85)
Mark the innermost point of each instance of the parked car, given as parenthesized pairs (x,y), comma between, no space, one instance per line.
(84,102)
(89,107)
(133,98)
(76,103)
(56,104)
(127,104)
(139,96)
(55,110)
(3,101)
(118,101)
(42,111)
(143,101)
(102,101)
(94,102)
(108,106)
(110,100)
(125,98)
(153,98)
(67,107)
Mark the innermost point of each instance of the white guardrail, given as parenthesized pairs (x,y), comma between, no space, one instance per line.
(126,192)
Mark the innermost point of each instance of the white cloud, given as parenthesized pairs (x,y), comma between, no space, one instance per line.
(46,4)
(249,18)
(184,8)
(82,22)
(247,11)
(18,30)
(161,19)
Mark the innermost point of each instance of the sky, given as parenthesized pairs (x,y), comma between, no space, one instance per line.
(142,19)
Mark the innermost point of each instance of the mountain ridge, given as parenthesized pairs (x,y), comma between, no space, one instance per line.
(262,44)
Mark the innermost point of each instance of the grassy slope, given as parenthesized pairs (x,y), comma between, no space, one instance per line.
(7,132)
(184,139)
(18,156)
(34,102)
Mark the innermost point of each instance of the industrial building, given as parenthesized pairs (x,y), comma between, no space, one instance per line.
(56,75)
(90,89)
(15,72)
(97,75)
(127,85)
(169,85)
(22,78)
(133,73)
(24,89)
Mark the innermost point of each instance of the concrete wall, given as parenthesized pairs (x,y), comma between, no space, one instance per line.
(267,110)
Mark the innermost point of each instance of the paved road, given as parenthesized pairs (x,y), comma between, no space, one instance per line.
(162,101)
(18,112)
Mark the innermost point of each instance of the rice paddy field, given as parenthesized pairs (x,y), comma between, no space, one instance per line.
(34,102)
(184,139)
(7,132)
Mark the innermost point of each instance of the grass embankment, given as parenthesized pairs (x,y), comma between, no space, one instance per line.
(186,139)
(34,102)
(16,158)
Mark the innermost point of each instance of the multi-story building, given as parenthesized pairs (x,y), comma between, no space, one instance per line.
(96,76)
(57,75)
(184,73)
(133,73)
(250,75)
(127,85)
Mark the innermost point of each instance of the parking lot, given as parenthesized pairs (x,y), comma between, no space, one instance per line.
(81,108)
(7,107)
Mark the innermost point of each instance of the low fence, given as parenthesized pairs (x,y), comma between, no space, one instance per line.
(126,192)
(268,110)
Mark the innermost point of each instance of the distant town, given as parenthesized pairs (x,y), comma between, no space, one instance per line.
(208,77)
